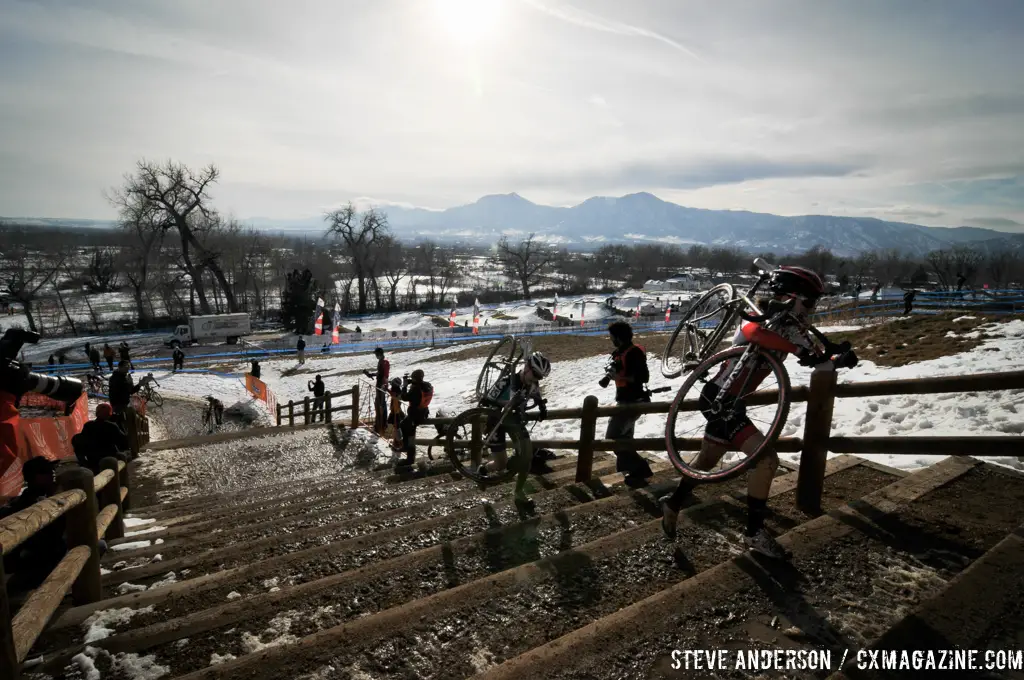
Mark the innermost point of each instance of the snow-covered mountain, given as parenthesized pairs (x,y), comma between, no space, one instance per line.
(645,217)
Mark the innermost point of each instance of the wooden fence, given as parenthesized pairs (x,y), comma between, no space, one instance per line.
(309,408)
(816,441)
(93,508)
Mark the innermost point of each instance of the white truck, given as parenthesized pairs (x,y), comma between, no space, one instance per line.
(210,329)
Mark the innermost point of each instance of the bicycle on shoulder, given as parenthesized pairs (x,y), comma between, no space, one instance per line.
(95,383)
(723,396)
(490,444)
(708,321)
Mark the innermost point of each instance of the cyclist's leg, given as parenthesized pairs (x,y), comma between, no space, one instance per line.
(499,459)
(621,427)
(711,451)
(759,483)
(525,457)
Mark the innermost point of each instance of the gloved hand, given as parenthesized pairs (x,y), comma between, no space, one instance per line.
(542,410)
(847,359)
(809,357)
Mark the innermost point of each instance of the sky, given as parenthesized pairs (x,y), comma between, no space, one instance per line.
(908,111)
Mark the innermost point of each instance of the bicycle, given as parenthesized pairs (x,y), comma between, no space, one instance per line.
(502,359)
(151,396)
(726,407)
(212,415)
(700,331)
(468,437)
(95,383)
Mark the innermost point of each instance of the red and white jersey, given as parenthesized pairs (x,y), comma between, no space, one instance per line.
(784,338)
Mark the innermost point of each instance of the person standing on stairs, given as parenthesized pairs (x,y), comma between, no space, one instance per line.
(381,378)
(629,362)
(418,393)
(803,287)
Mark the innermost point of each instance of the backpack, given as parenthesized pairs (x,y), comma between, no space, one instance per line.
(645,374)
(426,394)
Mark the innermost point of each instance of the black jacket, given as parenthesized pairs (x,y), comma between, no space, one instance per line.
(98,440)
(318,388)
(120,388)
(301,344)
(414,395)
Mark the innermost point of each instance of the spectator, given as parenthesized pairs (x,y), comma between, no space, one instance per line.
(94,358)
(52,360)
(99,439)
(960,281)
(255,370)
(61,357)
(629,362)
(325,348)
(318,388)
(395,414)
(126,354)
(108,354)
(120,388)
(32,561)
(358,329)
(178,357)
(418,393)
(908,301)
(300,348)
(381,377)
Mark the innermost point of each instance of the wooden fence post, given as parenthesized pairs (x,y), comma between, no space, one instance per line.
(327,407)
(81,530)
(124,482)
(476,447)
(277,407)
(132,423)
(588,432)
(291,413)
(817,427)
(305,410)
(111,494)
(355,406)
(9,666)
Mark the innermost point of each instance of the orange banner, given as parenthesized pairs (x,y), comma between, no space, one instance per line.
(48,436)
(258,389)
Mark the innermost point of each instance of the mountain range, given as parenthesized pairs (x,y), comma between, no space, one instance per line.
(643,217)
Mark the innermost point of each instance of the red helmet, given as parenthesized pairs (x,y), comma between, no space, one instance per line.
(798,281)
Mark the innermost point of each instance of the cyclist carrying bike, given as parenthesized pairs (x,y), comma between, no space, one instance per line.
(520,388)
(800,287)
(214,410)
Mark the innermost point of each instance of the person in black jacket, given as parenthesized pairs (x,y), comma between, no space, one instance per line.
(32,561)
(300,348)
(126,354)
(179,360)
(120,388)
(318,388)
(380,402)
(908,301)
(418,393)
(629,363)
(99,439)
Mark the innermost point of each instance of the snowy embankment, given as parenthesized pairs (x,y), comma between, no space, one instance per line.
(981,413)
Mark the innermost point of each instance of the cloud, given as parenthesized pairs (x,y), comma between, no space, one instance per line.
(585,19)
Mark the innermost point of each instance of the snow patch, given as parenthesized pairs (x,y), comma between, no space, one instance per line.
(216,659)
(100,624)
(143,531)
(130,521)
(233,595)
(131,545)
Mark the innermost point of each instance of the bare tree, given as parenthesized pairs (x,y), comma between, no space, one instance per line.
(952,263)
(145,225)
(394,266)
(524,262)
(361,237)
(181,199)
(1003,266)
(25,272)
(893,267)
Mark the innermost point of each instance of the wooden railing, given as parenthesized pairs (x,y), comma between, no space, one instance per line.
(93,507)
(816,441)
(308,408)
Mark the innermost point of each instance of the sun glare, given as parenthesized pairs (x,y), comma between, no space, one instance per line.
(468,21)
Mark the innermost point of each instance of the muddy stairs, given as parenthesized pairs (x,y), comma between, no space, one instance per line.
(378,576)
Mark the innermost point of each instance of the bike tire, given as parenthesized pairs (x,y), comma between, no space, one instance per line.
(770,436)
(690,335)
(157,400)
(518,447)
(440,443)
(501,357)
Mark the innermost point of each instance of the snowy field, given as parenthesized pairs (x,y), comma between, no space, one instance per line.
(982,413)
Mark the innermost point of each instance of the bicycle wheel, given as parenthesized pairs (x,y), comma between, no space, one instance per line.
(762,404)
(461,440)
(504,355)
(703,321)
(155,398)
(439,442)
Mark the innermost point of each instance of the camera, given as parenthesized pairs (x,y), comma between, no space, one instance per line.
(17,379)
(609,373)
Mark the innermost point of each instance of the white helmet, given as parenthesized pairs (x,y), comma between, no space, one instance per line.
(539,365)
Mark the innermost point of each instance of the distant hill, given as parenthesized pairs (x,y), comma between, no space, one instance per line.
(643,217)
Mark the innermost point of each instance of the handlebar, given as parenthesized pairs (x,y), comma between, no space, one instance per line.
(774,308)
